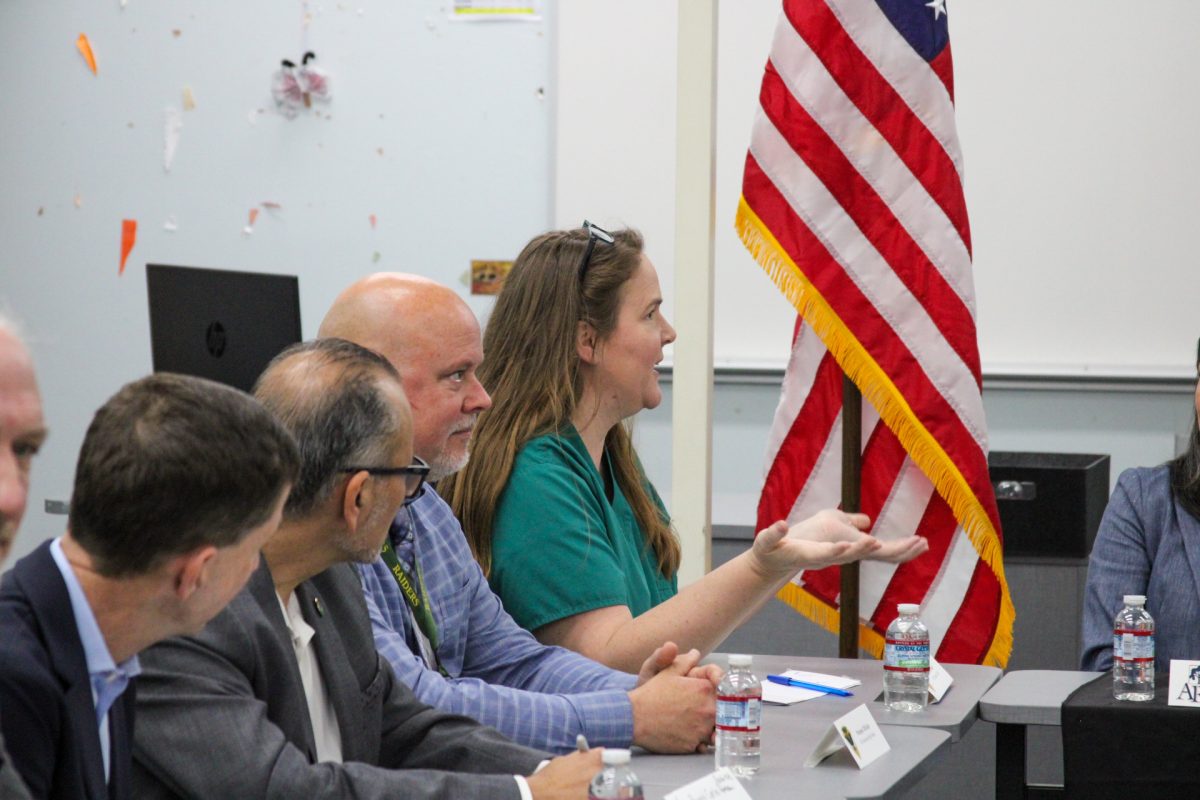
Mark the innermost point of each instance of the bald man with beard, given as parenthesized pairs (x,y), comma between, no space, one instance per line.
(447,635)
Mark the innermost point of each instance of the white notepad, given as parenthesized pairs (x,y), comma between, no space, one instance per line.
(786,695)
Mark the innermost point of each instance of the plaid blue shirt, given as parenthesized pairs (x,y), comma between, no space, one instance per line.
(536,695)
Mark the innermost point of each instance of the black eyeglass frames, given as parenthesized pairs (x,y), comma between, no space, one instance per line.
(595,234)
(414,476)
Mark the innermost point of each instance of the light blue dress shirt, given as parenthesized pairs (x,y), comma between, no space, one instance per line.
(538,696)
(109,679)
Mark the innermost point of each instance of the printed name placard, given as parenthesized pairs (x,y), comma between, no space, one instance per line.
(858,732)
(722,783)
(1184,686)
(939,680)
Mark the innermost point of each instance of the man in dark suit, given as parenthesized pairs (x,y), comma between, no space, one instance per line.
(179,483)
(284,695)
(22,432)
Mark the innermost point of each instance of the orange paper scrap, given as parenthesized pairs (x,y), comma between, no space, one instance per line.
(85,47)
(128,238)
(253,217)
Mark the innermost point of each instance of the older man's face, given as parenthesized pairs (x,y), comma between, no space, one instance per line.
(438,371)
(22,432)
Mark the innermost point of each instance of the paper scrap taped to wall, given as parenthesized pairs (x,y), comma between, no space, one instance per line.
(85,48)
(480,10)
(172,125)
(128,239)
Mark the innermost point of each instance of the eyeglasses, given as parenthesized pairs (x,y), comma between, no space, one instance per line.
(414,476)
(595,234)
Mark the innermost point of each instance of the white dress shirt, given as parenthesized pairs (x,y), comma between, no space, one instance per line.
(326,733)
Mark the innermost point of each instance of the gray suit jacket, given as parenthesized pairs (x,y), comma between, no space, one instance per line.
(11,785)
(223,715)
(1147,544)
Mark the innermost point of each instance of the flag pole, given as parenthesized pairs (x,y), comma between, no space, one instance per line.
(851,500)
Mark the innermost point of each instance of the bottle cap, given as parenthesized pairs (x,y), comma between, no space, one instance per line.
(1135,599)
(740,660)
(615,755)
(909,608)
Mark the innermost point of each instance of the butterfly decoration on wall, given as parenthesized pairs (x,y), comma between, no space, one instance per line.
(296,87)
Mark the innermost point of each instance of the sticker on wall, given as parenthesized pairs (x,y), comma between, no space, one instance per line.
(296,88)
(487,277)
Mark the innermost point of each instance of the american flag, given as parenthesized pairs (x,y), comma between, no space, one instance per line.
(852,202)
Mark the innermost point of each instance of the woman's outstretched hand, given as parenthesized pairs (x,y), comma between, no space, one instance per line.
(824,539)
(900,550)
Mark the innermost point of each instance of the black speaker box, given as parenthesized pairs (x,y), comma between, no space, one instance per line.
(1050,503)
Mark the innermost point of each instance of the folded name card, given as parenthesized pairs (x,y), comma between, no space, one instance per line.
(939,681)
(858,732)
(1184,686)
(721,784)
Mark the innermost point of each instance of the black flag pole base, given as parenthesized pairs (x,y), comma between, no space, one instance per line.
(851,502)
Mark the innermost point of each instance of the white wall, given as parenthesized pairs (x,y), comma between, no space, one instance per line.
(1077,124)
(461,112)
(1080,180)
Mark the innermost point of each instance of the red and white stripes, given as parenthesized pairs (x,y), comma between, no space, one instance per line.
(852,201)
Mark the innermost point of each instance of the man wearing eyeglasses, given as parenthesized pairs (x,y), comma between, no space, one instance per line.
(435,618)
(284,695)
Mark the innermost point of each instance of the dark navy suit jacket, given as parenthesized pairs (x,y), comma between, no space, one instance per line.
(46,710)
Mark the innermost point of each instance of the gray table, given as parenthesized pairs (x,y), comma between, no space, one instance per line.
(790,733)
(1023,698)
(954,715)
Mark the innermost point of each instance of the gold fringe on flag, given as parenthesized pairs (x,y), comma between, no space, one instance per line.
(875,385)
(829,618)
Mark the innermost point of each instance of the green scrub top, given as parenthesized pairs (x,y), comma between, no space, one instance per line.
(560,547)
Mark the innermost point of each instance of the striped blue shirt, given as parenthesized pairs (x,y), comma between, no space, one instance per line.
(536,695)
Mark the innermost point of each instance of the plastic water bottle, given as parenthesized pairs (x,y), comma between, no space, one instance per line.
(739,718)
(1133,651)
(906,661)
(616,781)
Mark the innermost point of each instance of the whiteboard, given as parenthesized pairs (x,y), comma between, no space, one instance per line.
(1078,124)
(439,129)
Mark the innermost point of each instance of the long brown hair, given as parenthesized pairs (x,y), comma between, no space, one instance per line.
(531,370)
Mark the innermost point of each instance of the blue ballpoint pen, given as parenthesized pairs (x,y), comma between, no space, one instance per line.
(784,680)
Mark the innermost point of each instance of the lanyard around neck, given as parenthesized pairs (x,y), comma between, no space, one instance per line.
(416,596)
